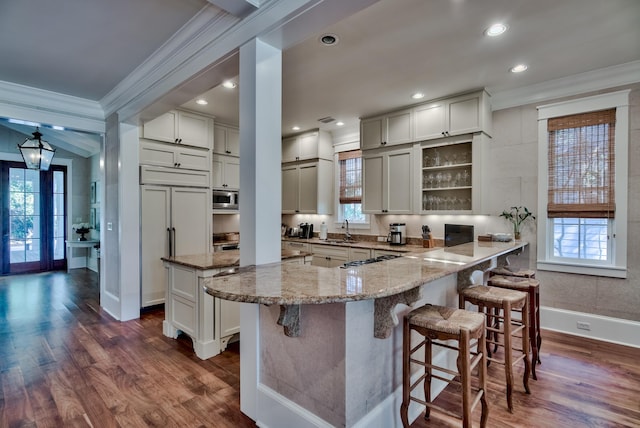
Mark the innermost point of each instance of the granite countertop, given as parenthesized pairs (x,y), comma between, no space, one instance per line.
(357,243)
(290,284)
(223,259)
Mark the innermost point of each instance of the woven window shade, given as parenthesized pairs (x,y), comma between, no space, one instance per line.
(582,165)
(350,177)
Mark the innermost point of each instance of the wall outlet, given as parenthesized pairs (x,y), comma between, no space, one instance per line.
(583,325)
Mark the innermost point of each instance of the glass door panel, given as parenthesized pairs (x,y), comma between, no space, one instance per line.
(58,215)
(24,215)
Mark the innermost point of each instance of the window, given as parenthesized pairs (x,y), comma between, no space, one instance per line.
(350,187)
(584,224)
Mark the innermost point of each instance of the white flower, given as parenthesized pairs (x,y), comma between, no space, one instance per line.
(77,226)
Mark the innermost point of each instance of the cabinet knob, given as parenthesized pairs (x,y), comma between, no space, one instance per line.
(227,151)
(384,143)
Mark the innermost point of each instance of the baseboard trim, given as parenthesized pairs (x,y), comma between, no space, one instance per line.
(273,409)
(606,329)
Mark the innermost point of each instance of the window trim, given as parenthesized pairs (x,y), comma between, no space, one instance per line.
(338,218)
(618,267)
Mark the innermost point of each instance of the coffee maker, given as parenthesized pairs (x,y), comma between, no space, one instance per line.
(397,234)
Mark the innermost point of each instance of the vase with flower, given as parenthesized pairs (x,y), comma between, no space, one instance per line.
(81,229)
(517,216)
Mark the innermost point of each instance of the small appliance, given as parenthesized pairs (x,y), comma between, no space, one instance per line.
(306,230)
(456,234)
(397,234)
(225,199)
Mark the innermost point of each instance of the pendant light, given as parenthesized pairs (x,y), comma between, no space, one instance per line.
(37,153)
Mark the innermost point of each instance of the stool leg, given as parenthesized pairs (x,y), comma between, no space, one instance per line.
(464,368)
(406,372)
(537,313)
(482,374)
(428,358)
(532,330)
(525,346)
(508,360)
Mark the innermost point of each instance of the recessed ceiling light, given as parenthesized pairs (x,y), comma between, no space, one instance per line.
(495,30)
(201,102)
(295,128)
(57,128)
(229,84)
(417,95)
(339,123)
(329,39)
(518,68)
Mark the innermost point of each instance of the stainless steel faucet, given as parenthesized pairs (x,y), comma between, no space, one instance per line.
(347,235)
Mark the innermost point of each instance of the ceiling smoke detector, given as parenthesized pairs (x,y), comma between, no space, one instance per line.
(329,39)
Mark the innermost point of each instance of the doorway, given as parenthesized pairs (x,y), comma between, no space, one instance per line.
(32,218)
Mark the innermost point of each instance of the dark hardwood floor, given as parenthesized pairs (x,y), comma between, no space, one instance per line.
(65,362)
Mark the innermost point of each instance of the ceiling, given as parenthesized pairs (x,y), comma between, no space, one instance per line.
(385,52)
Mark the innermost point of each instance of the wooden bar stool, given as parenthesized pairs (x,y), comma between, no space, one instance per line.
(497,304)
(532,288)
(438,324)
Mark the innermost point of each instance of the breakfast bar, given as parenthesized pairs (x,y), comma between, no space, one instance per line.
(341,325)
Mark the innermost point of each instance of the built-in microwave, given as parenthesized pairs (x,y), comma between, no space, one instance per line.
(225,199)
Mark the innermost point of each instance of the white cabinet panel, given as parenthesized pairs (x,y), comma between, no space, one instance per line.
(173,156)
(308,191)
(308,187)
(226,140)
(229,317)
(162,128)
(388,181)
(180,128)
(225,172)
(388,130)
(307,146)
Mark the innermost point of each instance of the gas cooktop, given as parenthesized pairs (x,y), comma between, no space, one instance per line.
(368,261)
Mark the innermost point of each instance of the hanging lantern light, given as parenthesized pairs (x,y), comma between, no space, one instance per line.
(36,152)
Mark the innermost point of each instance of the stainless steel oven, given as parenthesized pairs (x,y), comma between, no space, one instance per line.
(225,200)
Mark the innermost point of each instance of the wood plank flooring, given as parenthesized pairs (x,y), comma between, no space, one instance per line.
(65,363)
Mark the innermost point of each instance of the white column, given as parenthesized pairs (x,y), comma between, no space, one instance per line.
(260,89)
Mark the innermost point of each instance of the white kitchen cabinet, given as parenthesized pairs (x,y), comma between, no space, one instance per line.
(180,127)
(388,130)
(388,181)
(359,254)
(464,114)
(174,156)
(329,256)
(307,146)
(225,172)
(150,174)
(293,245)
(174,221)
(209,321)
(449,178)
(226,140)
(307,187)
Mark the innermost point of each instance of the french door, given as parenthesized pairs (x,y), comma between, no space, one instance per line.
(33,218)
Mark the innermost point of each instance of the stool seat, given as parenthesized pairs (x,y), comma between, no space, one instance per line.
(514,282)
(513,271)
(438,325)
(447,320)
(495,295)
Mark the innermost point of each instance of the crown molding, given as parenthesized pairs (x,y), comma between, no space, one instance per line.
(590,81)
(38,105)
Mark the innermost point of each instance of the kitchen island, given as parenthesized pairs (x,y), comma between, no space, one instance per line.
(210,322)
(338,361)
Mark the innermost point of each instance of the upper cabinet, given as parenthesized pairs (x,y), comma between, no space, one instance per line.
(393,128)
(388,181)
(180,127)
(174,156)
(226,140)
(307,187)
(225,172)
(465,114)
(307,146)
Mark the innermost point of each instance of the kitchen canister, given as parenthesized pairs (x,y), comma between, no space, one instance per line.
(323,231)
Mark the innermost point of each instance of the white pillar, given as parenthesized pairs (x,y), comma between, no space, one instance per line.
(260,89)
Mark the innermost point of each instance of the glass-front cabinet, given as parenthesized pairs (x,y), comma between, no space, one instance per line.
(447,177)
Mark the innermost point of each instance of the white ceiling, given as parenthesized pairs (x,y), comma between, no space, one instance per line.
(385,52)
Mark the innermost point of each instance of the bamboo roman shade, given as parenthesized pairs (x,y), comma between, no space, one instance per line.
(582,165)
(350,177)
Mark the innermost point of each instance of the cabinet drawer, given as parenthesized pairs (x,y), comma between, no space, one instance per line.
(174,177)
(330,251)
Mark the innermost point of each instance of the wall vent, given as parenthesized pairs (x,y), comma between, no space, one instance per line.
(327,119)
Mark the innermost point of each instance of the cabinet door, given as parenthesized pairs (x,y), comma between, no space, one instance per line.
(233,141)
(290,189)
(308,146)
(232,172)
(229,317)
(219,139)
(192,158)
(371,133)
(399,179)
(359,254)
(429,121)
(190,211)
(158,154)
(372,170)
(464,115)
(399,128)
(308,189)
(162,128)
(155,204)
(217,172)
(290,149)
(195,130)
